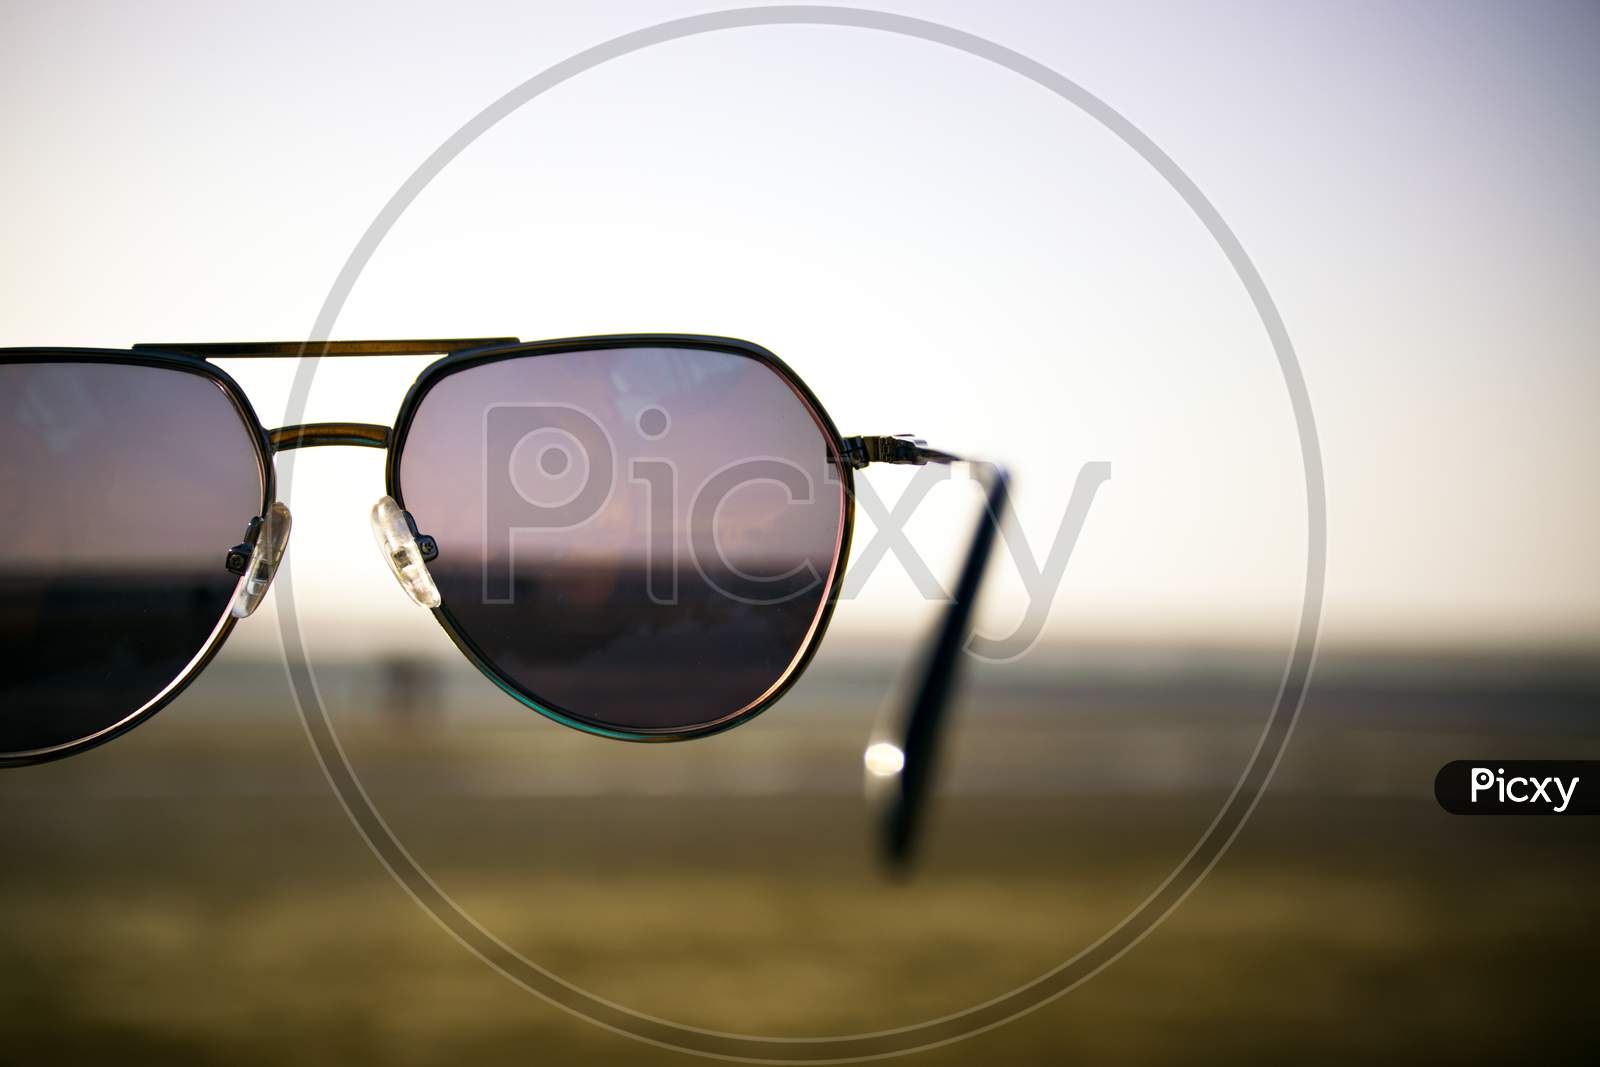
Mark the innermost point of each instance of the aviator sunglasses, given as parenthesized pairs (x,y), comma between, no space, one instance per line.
(641,536)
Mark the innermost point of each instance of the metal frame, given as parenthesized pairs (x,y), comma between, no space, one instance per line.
(917,731)
(460,361)
(269,492)
(321,434)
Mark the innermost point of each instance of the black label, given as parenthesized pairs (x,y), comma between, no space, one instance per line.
(1519,787)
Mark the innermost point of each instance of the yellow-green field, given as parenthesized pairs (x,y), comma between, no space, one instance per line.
(193,893)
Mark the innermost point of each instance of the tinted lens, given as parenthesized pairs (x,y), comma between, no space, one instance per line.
(124,487)
(642,539)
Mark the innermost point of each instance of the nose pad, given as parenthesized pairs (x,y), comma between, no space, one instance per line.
(257,559)
(406,551)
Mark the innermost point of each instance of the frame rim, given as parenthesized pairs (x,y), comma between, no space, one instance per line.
(455,362)
(224,626)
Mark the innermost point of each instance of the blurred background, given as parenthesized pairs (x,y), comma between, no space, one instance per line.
(938,246)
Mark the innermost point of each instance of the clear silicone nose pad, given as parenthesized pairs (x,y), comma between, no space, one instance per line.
(406,551)
(257,558)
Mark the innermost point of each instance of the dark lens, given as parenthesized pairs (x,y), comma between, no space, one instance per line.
(124,487)
(642,539)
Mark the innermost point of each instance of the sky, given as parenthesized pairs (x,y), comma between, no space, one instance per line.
(936,245)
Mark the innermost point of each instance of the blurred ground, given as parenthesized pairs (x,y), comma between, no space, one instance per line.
(193,893)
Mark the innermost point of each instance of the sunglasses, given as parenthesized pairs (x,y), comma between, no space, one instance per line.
(641,536)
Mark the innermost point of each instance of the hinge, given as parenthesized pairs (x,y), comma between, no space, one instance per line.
(897,448)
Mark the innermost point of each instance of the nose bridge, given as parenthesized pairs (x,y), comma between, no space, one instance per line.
(323,434)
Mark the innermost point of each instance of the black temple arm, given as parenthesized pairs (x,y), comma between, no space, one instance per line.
(918,731)
(261,349)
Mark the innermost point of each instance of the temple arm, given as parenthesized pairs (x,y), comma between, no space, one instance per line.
(258,349)
(907,753)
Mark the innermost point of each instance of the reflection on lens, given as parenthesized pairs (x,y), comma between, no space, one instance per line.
(642,539)
(124,486)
